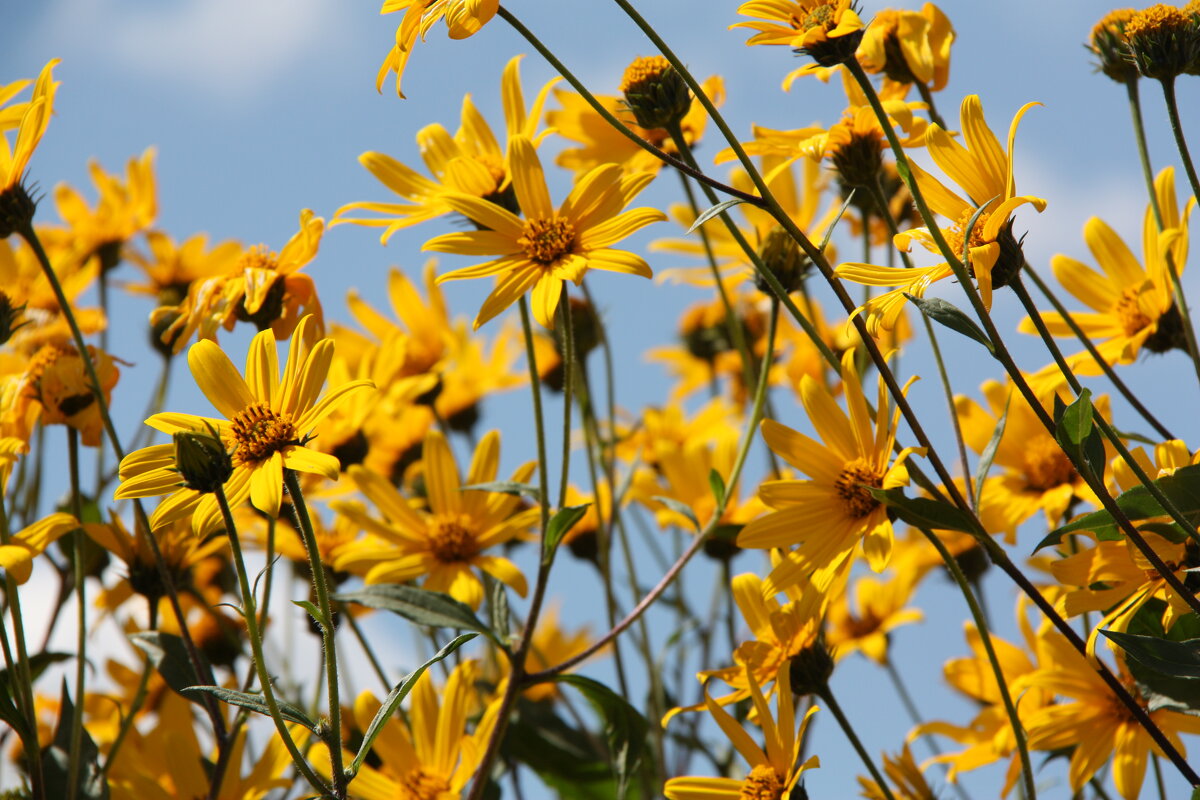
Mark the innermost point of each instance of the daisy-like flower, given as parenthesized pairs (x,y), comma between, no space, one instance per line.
(447,542)
(547,247)
(16,557)
(827,30)
(774,769)
(866,622)
(463,18)
(832,512)
(123,210)
(34,119)
(1132,306)
(469,162)
(265,429)
(909,46)
(984,170)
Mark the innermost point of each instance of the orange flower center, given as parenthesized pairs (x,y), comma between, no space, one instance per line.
(851,487)
(546,240)
(1129,312)
(257,257)
(257,433)
(819,17)
(643,70)
(1157,19)
(452,541)
(762,783)
(956,234)
(418,784)
(1046,465)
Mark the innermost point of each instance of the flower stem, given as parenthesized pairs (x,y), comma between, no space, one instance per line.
(1139,135)
(76,752)
(927,96)
(1168,87)
(569,365)
(250,615)
(826,695)
(986,638)
(304,524)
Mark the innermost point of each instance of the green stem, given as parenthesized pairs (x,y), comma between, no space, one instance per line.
(370,652)
(250,615)
(985,637)
(76,752)
(566,322)
(1139,135)
(304,524)
(1168,87)
(927,96)
(826,695)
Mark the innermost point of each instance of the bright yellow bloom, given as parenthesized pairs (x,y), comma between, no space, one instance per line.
(266,426)
(547,247)
(123,209)
(470,162)
(774,769)
(878,608)
(448,541)
(172,268)
(56,388)
(985,172)
(263,287)
(909,46)
(1132,307)
(23,283)
(14,157)
(907,781)
(831,513)
(463,18)
(16,557)
(827,30)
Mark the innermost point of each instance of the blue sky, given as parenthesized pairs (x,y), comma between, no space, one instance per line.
(259,108)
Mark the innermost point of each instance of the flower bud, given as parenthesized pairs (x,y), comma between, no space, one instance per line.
(1164,41)
(202,460)
(1108,43)
(655,93)
(781,255)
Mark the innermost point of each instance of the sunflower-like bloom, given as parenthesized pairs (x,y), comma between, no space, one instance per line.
(985,172)
(877,609)
(827,30)
(57,388)
(908,782)
(171,268)
(447,542)
(463,18)
(123,209)
(266,425)
(909,46)
(774,769)
(1132,306)
(263,287)
(34,119)
(428,753)
(832,512)
(547,247)
(469,162)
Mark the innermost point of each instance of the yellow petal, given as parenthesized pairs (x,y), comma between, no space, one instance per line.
(218,378)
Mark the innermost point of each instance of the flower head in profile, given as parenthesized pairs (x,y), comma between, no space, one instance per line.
(463,18)
(265,429)
(909,46)
(984,171)
(30,121)
(827,30)
(829,514)
(775,769)
(548,246)
(58,390)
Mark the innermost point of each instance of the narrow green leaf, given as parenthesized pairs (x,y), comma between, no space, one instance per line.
(965,255)
(709,213)
(56,760)
(312,610)
(421,606)
(499,617)
(505,487)
(169,656)
(829,231)
(1177,659)
(989,453)
(947,314)
(1161,689)
(562,522)
(255,703)
(923,512)
(717,484)
(624,728)
(396,697)
(679,508)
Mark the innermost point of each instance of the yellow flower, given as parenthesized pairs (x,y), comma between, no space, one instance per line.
(446,542)
(774,769)
(427,755)
(57,382)
(37,317)
(263,287)
(16,557)
(985,172)
(266,426)
(1131,306)
(909,46)
(829,514)
(172,268)
(469,162)
(827,30)
(547,247)
(463,18)
(123,210)
(879,607)
(14,157)
(908,783)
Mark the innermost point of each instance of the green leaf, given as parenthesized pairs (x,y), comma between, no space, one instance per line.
(1160,688)
(169,656)
(564,758)
(989,453)
(421,606)
(923,512)
(396,697)
(499,617)
(709,213)
(56,760)
(1182,488)
(679,508)
(1177,659)
(965,255)
(562,522)
(255,703)
(841,211)
(717,484)
(947,314)
(1078,437)
(313,611)
(624,728)
(505,487)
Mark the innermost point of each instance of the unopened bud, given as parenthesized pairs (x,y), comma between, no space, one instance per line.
(655,93)
(202,460)
(783,258)
(810,669)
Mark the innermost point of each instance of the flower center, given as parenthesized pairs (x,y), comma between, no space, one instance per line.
(819,17)
(956,234)
(258,257)
(1129,312)
(856,498)
(451,540)
(1157,20)
(547,239)
(257,433)
(642,71)
(1046,465)
(762,783)
(420,785)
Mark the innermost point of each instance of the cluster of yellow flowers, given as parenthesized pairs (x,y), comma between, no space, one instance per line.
(855,508)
